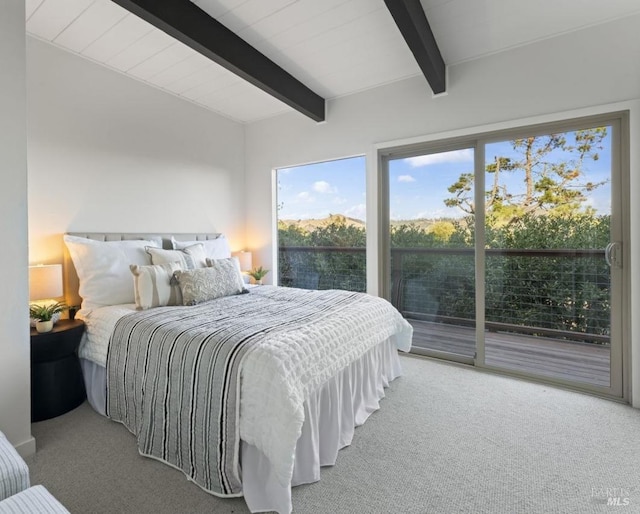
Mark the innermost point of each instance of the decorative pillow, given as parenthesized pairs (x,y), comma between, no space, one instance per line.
(229,268)
(210,263)
(203,284)
(153,285)
(213,248)
(103,268)
(190,257)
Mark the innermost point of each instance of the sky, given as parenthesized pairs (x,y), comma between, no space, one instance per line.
(417,185)
(314,191)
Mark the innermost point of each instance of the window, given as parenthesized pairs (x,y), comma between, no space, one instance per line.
(321,218)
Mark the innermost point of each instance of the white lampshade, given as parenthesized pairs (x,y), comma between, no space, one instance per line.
(245,260)
(45,281)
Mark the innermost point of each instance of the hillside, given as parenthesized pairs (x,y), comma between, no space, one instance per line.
(309,225)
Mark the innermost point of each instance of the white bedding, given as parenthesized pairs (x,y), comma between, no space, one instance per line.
(331,415)
(99,325)
(279,403)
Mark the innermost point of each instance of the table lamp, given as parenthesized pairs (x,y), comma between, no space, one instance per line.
(45,284)
(246,263)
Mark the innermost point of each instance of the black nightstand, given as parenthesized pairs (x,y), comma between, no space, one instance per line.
(57,385)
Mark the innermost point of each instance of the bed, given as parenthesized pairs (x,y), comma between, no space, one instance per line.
(248,391)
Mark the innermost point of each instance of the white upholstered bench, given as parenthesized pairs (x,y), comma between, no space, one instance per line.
(16,497)
(35,500)
(14,473)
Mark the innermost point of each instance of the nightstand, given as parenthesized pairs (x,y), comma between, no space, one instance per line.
(57,385)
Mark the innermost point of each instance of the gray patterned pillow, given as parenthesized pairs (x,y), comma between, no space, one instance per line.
(203,284)
(229,268)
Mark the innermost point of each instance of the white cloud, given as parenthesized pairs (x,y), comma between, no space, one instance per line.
(323,187)
(406,178)
(465,155)
(357,211)
(433,214)
(599,201)
(305,197)
(338,200)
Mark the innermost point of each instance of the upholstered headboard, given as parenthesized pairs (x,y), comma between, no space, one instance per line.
(71,277)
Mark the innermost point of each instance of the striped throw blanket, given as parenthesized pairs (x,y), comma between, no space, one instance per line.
(173,373)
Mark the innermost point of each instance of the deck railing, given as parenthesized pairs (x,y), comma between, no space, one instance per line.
(561,293)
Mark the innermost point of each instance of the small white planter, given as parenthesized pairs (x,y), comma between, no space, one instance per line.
(44,326)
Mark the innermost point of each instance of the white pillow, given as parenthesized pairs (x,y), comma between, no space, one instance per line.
(190,257)
(103,269)
(153,285)
(213,248)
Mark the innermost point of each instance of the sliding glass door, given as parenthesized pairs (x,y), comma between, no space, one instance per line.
(432,250)
(505,250)
(549,290)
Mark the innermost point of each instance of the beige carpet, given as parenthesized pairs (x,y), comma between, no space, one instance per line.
(447,439)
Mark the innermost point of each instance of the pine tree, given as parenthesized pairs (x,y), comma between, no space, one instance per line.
(552,185)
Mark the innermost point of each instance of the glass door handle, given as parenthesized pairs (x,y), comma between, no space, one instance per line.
(613,255)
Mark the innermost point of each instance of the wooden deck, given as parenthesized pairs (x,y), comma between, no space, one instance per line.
(580,362)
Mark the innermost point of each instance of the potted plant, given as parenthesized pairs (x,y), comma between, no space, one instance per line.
(258,274)
(45,315)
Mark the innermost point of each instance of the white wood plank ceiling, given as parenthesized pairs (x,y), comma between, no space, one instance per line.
(335,47)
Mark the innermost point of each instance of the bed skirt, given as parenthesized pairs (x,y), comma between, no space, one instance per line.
(331,415)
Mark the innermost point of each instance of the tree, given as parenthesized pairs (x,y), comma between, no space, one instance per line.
(552,173)
(291,235)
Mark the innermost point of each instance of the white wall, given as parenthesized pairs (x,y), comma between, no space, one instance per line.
(586,72)
(105,153)
(15,408)
(108,153)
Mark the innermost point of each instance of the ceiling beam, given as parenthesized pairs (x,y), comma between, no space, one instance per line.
(189,24)
(412,22)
